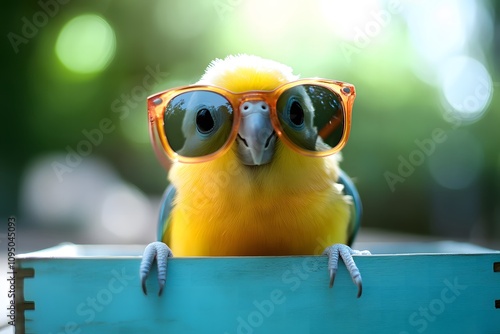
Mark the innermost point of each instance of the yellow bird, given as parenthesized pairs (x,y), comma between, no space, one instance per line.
(254,152)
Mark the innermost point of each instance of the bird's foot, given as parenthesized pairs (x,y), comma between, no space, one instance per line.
(159,251)
(346,254)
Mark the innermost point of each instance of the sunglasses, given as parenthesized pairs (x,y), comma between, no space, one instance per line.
(199,123)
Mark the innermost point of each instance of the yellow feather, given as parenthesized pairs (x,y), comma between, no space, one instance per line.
(290,206)
(245,72)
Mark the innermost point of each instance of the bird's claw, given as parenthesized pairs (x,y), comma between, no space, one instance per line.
(159,251)
(345,252)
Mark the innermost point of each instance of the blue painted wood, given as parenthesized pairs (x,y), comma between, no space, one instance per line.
(77,291)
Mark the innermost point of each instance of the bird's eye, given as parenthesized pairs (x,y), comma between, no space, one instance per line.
(296,113)
(204,121)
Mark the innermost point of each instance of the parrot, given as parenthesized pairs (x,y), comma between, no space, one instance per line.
(259,198)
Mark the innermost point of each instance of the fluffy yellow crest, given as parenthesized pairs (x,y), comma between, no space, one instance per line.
(243,72)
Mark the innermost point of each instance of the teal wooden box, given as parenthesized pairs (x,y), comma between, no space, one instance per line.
(96,289)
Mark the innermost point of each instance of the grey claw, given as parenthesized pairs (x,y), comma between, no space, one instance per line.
(360,286)
(345,252)
(332,277)
(159,251)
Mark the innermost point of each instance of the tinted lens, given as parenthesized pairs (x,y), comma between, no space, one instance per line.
(198,123)
(311,115)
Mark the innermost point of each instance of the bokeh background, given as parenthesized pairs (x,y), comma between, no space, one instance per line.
(77,164)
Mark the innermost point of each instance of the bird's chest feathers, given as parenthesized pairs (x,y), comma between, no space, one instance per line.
(244,198)
(246,214)
(263,225)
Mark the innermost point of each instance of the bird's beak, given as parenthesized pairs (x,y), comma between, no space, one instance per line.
(256,136)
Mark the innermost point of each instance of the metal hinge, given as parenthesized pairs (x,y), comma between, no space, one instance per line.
(22,304)
(496,269)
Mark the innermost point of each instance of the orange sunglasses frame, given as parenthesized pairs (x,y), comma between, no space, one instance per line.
(157,105)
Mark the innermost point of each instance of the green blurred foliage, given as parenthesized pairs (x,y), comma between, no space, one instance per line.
(48,105)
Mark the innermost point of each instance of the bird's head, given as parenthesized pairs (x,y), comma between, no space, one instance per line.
(256,140)
(252,116)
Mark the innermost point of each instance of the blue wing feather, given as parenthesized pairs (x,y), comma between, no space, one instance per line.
(165,209)
(350,189)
